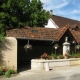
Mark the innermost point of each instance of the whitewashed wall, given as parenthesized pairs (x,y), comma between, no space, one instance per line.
(51,24)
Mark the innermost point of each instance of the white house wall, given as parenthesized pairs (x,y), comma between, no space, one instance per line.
(51,24)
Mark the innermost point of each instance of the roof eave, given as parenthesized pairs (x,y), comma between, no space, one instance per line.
(36,39)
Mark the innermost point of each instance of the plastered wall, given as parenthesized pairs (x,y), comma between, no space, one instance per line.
(9,52)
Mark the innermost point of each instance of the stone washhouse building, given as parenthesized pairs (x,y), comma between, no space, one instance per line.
(41,39)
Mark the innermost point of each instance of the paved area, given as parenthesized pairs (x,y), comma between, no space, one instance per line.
(57,73)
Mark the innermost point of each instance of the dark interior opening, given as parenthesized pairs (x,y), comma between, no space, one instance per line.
(38,48)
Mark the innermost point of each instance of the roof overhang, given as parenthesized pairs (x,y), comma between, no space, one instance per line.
(24,38)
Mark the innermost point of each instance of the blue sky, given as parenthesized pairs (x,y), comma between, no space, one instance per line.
(65,8)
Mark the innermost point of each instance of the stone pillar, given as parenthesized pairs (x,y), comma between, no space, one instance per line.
(66,47)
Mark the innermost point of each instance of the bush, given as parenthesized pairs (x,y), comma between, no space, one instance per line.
(61,57)
(7,72)
(1,72)
(53,56)
(71,55)
(12,71)
(76,55)
(44,56)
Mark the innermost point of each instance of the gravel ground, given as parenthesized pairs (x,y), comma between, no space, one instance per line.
(57,73)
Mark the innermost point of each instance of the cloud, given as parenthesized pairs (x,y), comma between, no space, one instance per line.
(60,4)
(65,8)
(75,11)
(55,4)
(74,14)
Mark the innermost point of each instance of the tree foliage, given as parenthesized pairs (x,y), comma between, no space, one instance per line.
(20,13)
(39,16)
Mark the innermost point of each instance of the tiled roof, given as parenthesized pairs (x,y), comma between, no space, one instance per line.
(37,33)
(76,35)
(73,24)
(62,21)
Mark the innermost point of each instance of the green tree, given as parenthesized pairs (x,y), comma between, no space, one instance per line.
(39,16)
(20,13)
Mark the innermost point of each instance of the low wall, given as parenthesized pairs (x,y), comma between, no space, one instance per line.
(39,64)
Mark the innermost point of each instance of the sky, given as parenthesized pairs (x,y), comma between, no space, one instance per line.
(65,8)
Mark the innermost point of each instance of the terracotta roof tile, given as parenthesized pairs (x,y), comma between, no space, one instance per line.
(37,33)
(62,21)
(76,35)
(42,33)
